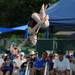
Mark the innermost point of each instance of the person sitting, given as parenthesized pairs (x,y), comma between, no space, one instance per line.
(50,63)
(61,65)
(39,65)
(7,66)
(23,68)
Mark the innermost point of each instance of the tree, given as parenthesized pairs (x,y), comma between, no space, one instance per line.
(17,12)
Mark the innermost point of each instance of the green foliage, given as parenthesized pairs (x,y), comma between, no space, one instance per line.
(41,35)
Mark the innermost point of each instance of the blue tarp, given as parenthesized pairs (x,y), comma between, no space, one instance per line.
(62,12)
(21,27)
(13,29)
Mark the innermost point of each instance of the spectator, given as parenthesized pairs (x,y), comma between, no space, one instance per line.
(1,60)
(23,64)
(19,63)
(23,68)
(7,66)
(61,65)
(50,63)
(19,60)
(39,65)
(22,57)
(72,65)
(14,49)
(33,57)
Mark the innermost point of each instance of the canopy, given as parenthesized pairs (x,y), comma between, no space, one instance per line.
(62,12)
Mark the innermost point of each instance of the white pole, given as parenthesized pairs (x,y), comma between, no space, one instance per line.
(53,44)
(26,72)
(45,71)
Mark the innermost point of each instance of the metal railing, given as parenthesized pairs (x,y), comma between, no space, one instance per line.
(46,71)
(27,72)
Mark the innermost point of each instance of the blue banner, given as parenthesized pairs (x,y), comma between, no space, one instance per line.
(13,29)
